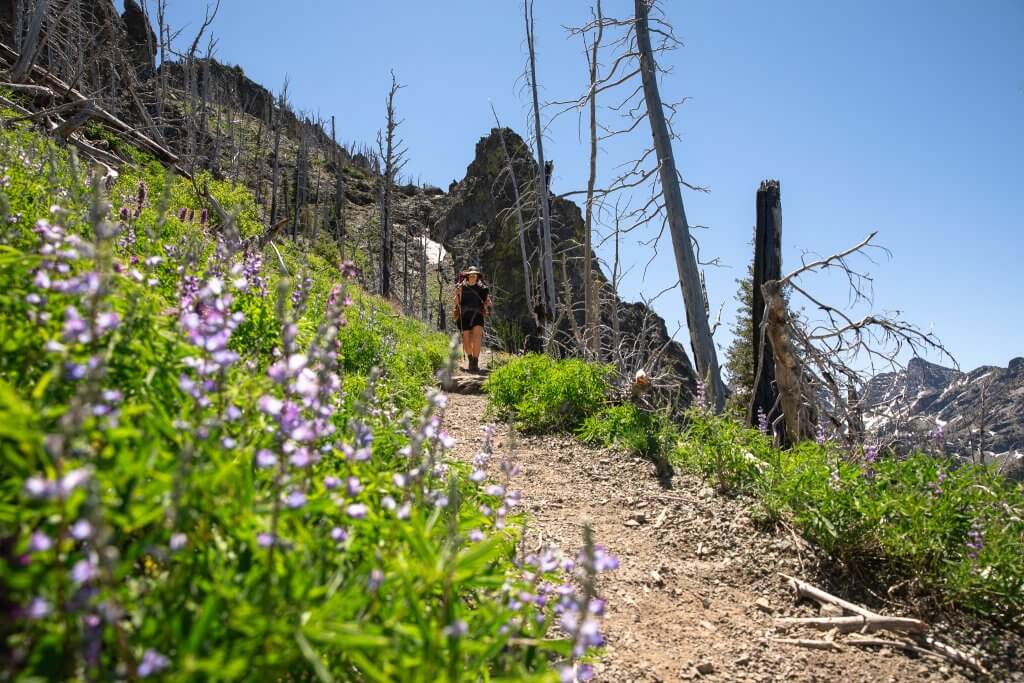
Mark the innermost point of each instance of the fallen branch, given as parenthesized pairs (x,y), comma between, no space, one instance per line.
(271,233)
(29,89)
(898,644)
(952,654)
(857,623)
(13,106)
(43,113)
(280,260)
(924,643)
(72,125)
(806,590)
(806,642)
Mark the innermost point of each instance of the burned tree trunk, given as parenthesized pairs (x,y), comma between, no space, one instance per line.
(544,225)
(338,212)
(393,155)
(705,357)
(767,267)
(591,313)
(276,173)
(30,44)
(798,413)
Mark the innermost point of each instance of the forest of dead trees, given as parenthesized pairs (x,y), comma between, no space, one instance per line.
(77,69)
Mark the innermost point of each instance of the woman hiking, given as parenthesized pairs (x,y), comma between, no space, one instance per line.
(471,304)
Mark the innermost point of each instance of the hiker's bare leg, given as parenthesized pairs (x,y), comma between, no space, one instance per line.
(477,340)
(467,343)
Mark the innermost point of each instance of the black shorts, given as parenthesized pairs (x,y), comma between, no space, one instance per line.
(470,319)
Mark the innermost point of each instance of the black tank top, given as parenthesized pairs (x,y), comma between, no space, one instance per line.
(473,297)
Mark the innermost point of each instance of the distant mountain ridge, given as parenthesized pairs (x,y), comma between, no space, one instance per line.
(980,412)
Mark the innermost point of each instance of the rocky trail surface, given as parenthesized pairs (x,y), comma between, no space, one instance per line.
(697,589)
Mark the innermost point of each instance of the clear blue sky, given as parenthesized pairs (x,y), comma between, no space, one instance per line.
(903,117)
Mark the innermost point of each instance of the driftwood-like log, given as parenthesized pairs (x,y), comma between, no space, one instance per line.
(856,623)
(806,590)
(921,641)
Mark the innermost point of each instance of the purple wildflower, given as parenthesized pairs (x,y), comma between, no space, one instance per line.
(152,663)
(357,511)
(83,571)
(296,500)
(456,629)
(702,399)
(178,541)
(81,530)
(265,458)
(354,486)
(349,270)
(975,540)
(38,488)
(762,421)
(39,542)
(38,608)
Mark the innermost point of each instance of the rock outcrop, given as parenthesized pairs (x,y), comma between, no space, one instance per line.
(140,40)
(476,222)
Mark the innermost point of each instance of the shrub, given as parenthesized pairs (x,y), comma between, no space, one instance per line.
(630,428)
(544,394)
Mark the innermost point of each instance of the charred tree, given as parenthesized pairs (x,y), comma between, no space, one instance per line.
(393,155)
(591,313)
(767,267)
(30,43)
(277,115)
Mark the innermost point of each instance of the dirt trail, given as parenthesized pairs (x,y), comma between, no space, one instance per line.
(697,589)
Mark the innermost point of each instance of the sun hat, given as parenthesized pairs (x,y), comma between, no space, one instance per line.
(472,270)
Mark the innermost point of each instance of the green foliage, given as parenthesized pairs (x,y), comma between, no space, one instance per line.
(739,357)
(544,394)
(954,530)
(178,508)
(628,427)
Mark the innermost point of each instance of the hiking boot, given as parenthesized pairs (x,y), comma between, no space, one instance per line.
(474,365)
